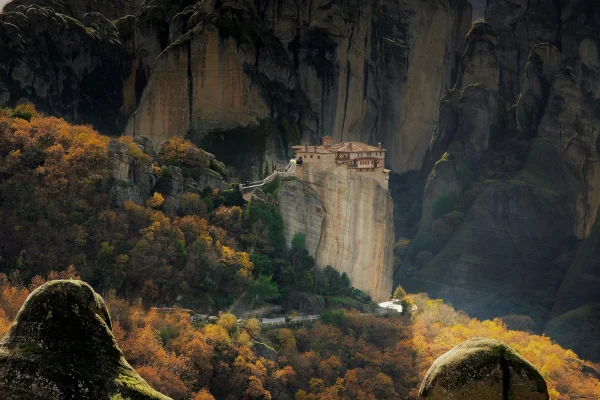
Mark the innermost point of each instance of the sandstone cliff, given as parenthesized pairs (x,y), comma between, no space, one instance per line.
(370,73)
(62,346)
(348,224)
(240,75)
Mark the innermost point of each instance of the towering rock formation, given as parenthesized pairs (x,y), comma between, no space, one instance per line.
(511,174)
(483,369)
(61,346)
(348,224)
(39,64)
(369,73)
(240,74)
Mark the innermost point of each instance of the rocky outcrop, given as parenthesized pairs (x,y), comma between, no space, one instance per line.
(38,65)
(483,369)
(61,346)
(133,179)
(355,233)
(525,173)
(171,186)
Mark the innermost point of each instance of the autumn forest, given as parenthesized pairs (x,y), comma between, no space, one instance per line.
(215,253)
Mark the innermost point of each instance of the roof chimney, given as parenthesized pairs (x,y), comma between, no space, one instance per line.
(306,148)
(379,146)
(327,141)
(350,146)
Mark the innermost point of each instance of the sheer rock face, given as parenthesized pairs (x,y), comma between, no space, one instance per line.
(302,212)
(61,346)
(355,234)
(39,64)
(526,128)
(483,369)
(468,116)
(369,73)
(373,72)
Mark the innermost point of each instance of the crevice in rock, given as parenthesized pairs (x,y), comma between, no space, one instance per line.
(348,73)
(505,375)
(190,82)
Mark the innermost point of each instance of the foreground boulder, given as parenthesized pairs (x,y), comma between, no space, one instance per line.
(61,346)
(483,369)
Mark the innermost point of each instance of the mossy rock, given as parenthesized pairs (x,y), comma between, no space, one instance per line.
(483,369)
(61,346)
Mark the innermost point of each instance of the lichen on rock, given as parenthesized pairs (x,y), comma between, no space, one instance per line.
(483,369)
(61,346)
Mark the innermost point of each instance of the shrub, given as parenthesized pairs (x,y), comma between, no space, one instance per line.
(443,228)
(270,218)
(156,201)
(299,241)
(24,111)
(443,204)
(134,150)
(332,317)
(401,247)
(399,293)
(272,186)
(210,206)
(191,203)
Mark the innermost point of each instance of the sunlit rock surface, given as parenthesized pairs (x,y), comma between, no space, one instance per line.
(349,218)
(483,369)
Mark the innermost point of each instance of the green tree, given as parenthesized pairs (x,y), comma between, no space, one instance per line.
(210,206)
(272,186)
(263,289)
(299,241)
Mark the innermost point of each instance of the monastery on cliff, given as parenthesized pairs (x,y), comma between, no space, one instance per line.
(358,158)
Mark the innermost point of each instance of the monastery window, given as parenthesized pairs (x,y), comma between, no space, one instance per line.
(311,156)
(319,157)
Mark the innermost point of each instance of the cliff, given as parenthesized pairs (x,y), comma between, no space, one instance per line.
(348,224)
(38,64)
(510,181)
(61,346)
(370,73)
(240,74)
